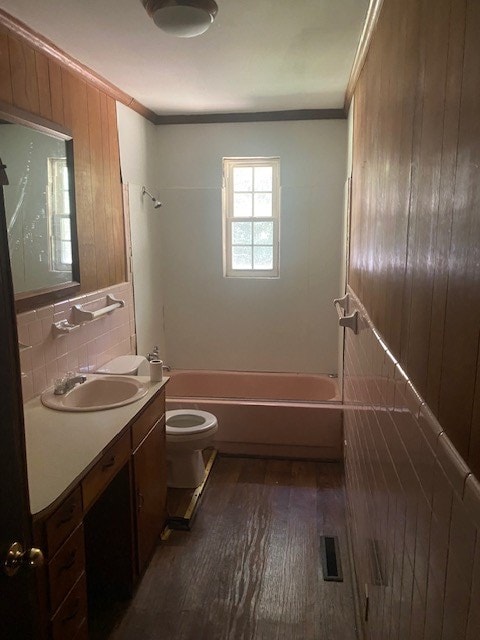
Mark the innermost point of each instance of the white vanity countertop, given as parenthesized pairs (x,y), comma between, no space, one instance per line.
(62,444)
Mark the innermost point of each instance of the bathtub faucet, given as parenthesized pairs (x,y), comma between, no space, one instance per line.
(154,355)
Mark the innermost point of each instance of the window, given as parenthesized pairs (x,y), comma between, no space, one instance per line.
(251,217)
(59,215)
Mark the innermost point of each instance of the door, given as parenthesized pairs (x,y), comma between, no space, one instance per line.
(17,593)
(150,492)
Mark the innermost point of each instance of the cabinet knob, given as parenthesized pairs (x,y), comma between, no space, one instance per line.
(67,516)
(17,557)
(109,464)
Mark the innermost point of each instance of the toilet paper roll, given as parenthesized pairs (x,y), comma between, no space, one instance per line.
(156,370)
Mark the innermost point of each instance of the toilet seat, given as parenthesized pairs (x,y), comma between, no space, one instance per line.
(185,422)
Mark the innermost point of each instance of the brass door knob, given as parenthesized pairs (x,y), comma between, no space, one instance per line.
(17,557)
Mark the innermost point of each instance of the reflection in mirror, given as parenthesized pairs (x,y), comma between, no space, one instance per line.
(39,203)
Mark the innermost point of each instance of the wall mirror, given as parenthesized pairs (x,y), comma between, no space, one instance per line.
(40,209)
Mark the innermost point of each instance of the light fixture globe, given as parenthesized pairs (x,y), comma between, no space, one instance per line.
(182,18)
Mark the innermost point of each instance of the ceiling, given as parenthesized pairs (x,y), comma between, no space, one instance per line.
(259,55)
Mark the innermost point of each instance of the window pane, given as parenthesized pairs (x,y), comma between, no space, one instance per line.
(243,179)
(66,202)
(66,253)
(57,198)
(242,205)
(241,233)
(263,178)
(263,258)
(65,228)
(263,205)
(241,257)
(263,233)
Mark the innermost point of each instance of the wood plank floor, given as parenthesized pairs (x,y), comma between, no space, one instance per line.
(250,568)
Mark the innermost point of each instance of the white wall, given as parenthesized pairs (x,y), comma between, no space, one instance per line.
(345,234)
(285,324)
(138,157)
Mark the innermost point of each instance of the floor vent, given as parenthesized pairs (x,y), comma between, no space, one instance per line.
(331,562)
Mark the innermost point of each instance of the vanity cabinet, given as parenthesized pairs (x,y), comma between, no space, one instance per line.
(69,620)
(61,581)
(66,566)
(150,492)
(99,538)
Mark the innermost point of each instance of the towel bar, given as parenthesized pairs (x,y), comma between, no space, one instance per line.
(349,321)
(82,315)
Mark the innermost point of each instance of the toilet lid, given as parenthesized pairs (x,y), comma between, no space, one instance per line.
(188,421)
(123,365)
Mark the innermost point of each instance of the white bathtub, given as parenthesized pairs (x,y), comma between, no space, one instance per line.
(265,414)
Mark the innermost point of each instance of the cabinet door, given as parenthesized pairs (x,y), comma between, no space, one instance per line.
(150,471)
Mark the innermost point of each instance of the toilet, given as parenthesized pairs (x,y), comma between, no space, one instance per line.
(188,431)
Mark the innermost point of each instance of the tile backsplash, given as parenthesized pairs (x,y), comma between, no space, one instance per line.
(414,505)
(47,357)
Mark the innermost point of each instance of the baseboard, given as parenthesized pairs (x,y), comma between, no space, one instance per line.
(322,454)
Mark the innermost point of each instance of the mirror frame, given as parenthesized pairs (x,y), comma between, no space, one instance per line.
(28,300)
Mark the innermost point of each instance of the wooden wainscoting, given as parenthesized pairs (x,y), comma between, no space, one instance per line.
(415,228)
(34,82)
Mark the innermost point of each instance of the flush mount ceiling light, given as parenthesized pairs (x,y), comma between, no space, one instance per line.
(182,18)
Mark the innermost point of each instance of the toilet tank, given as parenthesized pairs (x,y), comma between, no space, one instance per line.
(125,366)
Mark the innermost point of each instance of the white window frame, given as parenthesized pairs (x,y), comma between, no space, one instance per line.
(229,164)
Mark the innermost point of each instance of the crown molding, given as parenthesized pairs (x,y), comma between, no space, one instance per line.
(371,20)
(259,116)
(39,42)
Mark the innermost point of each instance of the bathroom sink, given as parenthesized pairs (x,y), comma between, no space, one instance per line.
(97,393)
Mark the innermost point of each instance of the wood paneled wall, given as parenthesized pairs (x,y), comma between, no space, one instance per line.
(31,81)
(415,228)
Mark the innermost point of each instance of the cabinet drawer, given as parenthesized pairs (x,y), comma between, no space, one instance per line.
(148,418)
(65,519)
(105,470)
(65,568)
(69,618)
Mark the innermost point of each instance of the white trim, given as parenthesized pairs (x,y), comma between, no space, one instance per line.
(54,216)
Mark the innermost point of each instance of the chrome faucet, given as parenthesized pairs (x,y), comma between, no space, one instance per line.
(154,355)
(68,382)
